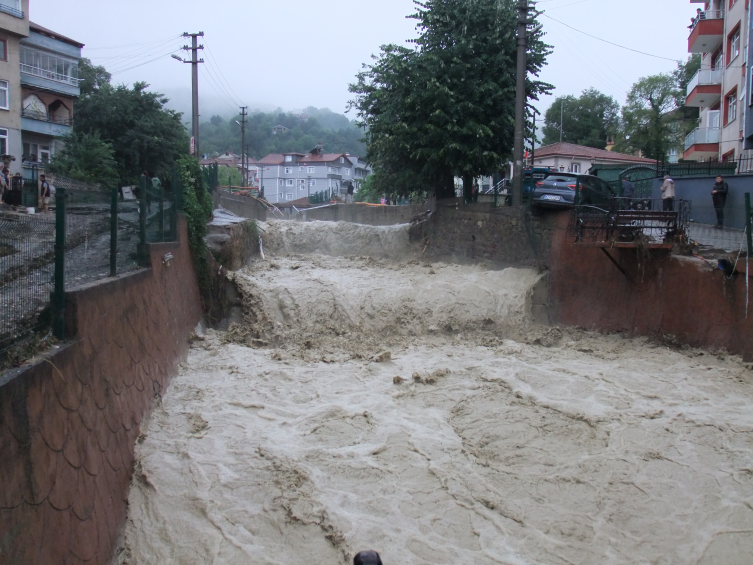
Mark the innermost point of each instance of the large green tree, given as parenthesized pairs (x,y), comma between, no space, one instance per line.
(86,157)
(143,134)
(589,119)
(647,124)
(445,107)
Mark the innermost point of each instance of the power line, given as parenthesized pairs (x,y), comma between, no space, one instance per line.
(609,42)
(222,91)
(211,56)
(144,63)
(130,44)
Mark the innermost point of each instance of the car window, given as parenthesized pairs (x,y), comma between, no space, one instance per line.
(560,178)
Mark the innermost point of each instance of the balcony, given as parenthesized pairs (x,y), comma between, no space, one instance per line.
(707,32)
(46,117)
(12,11)
(36,123)
(704,89)
(702,143)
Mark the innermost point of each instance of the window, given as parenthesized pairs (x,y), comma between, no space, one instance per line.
(282,182)
(3,141)
(728,157)
(288,170)
(730,107)
(347,172)
(4,95)
(311,170)
(3,50)
(718,61)
(300,169)
(41,64)
(312,182)
(733,44)
(44,153)
(334,170)
(289,182)
(342,159)
(575,168)
(288,196)
(301,184)
(288,158)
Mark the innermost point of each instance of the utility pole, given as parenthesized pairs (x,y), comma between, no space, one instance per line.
(242,123)
(194,48)
(520,105)
(562,117)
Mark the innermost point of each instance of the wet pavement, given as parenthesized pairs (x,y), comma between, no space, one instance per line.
(728,239)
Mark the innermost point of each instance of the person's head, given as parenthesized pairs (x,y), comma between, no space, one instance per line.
(42,177)
(719,179)
(367,558)
(666,177)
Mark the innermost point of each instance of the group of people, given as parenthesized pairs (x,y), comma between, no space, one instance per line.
(719,192)
(9,183)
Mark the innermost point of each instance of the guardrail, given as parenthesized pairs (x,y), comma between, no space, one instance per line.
(12,11)
(46,118)
(705,77)
(703,135)
(707,15)
(42,73)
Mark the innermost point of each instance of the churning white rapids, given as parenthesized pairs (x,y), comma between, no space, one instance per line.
(410,408)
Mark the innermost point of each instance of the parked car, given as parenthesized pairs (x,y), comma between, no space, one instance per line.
(558,190)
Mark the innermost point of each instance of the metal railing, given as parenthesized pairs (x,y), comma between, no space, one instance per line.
(702,135)
(707,15)
(12,11)
(630,220)
(46,117)
(705,77)
(51,75)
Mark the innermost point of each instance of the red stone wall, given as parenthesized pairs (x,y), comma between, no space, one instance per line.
(69,423)
(664,294)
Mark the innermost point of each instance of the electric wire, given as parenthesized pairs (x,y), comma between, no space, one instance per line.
(129,44)
(217,67)
(609,42)
(144,63)
(218,87)
(210,81)
(136,52)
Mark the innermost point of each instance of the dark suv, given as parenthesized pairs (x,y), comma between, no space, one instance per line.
(558,190)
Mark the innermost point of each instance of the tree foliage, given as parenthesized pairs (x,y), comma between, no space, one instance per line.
(336,133)
(647,123)
(86,157)
(445,107)
(197,207)
(589,119)
(143,134)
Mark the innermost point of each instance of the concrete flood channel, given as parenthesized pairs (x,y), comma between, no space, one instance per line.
(366,397)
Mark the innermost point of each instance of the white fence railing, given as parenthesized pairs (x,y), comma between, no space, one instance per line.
(705,77)
(42,73)
(702,135)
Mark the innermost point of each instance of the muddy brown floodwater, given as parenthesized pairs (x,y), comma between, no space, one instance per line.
(411,408)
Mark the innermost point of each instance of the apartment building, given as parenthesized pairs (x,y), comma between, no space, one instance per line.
(291,176)
(14,26)
(748,132)
(49,85)
(720,34)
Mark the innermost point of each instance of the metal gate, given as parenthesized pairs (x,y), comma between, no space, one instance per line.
(642,177)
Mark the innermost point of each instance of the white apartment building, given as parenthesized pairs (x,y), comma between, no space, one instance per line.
(719,33)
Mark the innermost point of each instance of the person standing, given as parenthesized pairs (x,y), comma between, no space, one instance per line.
(628,190)
(668,194)
(44,192)
(349,195)
(719,196)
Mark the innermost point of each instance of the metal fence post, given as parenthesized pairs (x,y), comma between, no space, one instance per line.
(161,214)
(748,224)
(142,220)
(58,304)
(114,232)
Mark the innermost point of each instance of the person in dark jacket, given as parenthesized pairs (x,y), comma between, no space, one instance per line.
(719,196)
(367,558)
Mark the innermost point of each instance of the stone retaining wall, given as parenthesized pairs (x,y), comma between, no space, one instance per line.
(368,214)
(68,424)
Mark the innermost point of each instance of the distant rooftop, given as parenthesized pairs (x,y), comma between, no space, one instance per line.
(54,35)
(573,150)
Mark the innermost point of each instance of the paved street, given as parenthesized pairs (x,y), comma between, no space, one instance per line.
(728,239)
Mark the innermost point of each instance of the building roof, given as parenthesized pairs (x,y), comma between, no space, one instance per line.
(54,35)
(573,150)
(271,159)
(326,158)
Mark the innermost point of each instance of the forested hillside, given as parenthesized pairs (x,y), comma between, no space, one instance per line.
(299,133)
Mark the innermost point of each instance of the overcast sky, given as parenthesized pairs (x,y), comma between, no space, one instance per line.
(295,53)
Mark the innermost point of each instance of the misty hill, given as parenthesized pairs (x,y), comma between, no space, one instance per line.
(283,132)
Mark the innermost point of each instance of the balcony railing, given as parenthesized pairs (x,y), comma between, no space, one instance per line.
(12,11)
(705,77)
(42,73)
(707,15)
(702,135)
(44,117)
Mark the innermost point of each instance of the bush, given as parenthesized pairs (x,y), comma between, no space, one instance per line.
(197,207)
